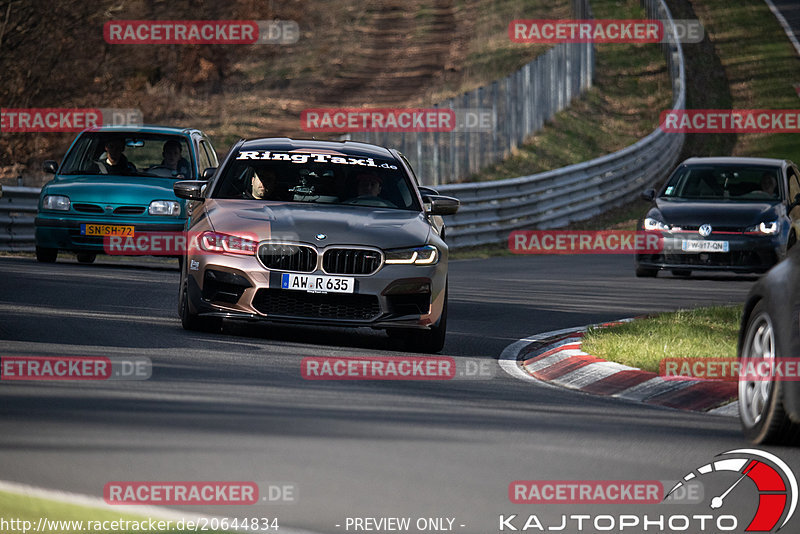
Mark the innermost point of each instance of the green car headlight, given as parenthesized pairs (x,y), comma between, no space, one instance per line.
(56,202)
(164,207)
(427,255)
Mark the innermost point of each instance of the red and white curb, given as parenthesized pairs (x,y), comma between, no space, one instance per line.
(555,358)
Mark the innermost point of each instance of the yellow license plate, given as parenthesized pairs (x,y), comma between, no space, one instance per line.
(106,229)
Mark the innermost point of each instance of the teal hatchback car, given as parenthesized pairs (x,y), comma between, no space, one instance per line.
(117,181)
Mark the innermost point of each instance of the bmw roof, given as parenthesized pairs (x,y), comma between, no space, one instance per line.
(346,147)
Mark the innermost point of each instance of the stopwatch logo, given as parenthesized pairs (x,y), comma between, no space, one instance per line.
(775,481)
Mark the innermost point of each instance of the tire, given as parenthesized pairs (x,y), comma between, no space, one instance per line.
(86,257)
(683,273)
(46,255)
(192,321)
(426,341)
(763,417)
(644,272)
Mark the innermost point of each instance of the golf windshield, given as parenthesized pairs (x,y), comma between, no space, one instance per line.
(725,182)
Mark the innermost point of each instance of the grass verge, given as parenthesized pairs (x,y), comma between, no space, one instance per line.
(702,333)
(64,518)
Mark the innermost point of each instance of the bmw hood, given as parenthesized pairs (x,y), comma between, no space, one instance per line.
(722,214)
(384,228)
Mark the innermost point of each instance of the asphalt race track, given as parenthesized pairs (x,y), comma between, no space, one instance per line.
(233,406)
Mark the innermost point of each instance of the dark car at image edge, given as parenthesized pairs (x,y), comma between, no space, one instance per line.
(769,410)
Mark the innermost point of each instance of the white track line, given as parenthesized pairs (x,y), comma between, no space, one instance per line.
(785,25)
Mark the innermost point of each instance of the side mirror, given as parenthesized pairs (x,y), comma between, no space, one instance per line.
(50,166)
(427,191)
(441,205)
(649,194)
(794,203)
(189,189)
(209,173)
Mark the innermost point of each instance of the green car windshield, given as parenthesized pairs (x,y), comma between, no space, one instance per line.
(137,154)
(725,182)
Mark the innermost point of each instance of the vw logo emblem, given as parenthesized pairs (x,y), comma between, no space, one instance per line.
(320,237)
(705,230)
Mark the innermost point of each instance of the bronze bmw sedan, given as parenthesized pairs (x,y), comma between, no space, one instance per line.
(316,232)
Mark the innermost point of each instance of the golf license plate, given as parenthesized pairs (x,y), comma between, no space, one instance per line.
(106,229)
(327,284)
(696,245)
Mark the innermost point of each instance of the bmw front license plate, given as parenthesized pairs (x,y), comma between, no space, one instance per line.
(696,245)
(317,284)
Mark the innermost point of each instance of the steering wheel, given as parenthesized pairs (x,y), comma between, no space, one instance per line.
(161,170)
(377,202)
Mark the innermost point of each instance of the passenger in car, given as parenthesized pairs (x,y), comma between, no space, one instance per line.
(769,184)
(368,184)
(173,159)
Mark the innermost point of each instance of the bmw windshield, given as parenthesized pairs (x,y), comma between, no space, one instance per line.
(320,178)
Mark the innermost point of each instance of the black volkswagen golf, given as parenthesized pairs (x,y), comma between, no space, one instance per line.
(732,214)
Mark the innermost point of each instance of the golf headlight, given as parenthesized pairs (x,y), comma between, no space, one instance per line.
(56,202)
(655,224)
(427,255)
(164,207)
(767,228)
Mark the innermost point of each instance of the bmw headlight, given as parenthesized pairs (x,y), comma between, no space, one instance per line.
(766,228)
(427,255)
(232,244)
(164,207)
(56,202)
(655,224)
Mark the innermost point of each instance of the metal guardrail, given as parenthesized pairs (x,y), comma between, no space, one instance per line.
(490,210)
(17,211)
